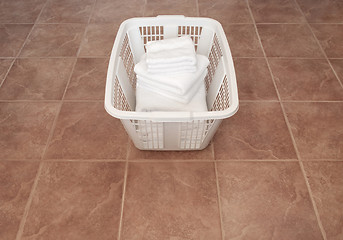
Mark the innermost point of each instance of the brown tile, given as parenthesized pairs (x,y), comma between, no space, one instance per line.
(337,65)
(288,40)
(233,11)
(85,131)
(54,40)
(25,128)
(265,201)
(12,37)
(99,40)
(20,11)
(305,79)
(171,201)
(4,66)
(76,201)
(69,11)
(257,131)
(116,11)
(322,10)
(88,79)
(326,182)
(243,40)
(16,179)
(136,154)
(317,129)
(254,79)
(330,37)
(37,78)
(154,8)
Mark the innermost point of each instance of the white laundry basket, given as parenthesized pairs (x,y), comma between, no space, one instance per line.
(171,130)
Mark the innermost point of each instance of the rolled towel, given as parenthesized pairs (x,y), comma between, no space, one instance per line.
(177,84)
(172,50)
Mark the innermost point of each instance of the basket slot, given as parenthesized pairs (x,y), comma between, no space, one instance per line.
(216,83)
(119,100)
(214,57)
(128,61)
(222,101)
(150,133)
(151,33)
(136,43)
(193,31)
(125,85)
(194,133)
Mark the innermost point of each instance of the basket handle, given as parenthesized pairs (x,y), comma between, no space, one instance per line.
(171,16)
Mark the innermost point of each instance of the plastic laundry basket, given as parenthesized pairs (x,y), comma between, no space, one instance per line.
(171,130)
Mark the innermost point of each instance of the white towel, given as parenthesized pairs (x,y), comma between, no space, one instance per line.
(147,101)
(178,84)
(172,50)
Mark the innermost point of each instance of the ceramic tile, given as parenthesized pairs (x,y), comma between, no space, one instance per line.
(37,78)
(154,8)
(225,11)
(54,40)
(85,130)
(288,40)
(266,201)
(337,65)
(115,11)
(20,11)
(76,201)
(276,11)
(254,80)
(4,66)
(88,79)
(326,182)
(68,11)
(25,128)
(322,11)
(99,40)
(317,129)
(136,154)
(257,131)
(330,37)
(243,40)
(305,79)
(12,37)
(171,201)
(16,180)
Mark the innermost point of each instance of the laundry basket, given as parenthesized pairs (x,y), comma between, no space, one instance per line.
(171,130)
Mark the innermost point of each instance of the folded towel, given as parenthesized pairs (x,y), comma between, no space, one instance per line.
(178,84)
(172,50)
(147,101)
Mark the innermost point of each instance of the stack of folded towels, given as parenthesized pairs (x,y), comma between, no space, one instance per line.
(170,77)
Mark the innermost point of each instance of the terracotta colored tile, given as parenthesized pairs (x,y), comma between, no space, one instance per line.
(317,129)
(330,37)
(322,10)
(257,131)
(305,79)
(266,201)
(288,40)
(12,37)
(16,179)
(254,79)
(25,128)
(20,11)
(326,182)
(136,154)
(276,11)
(85,131)
(99,40)
(4,66)
(337,65)
(243,40)
(117,11)
(37,78)
(70,11)
(171,201)
(154,8)
(88,79)
(76,201)
(233,11)
(55,40)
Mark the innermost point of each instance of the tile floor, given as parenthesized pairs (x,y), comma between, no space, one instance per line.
(273,171)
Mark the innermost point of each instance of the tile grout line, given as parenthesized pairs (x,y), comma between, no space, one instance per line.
(290,132)
(318,43)
(197,7)
(219,202)
(144,8)
(28,203)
